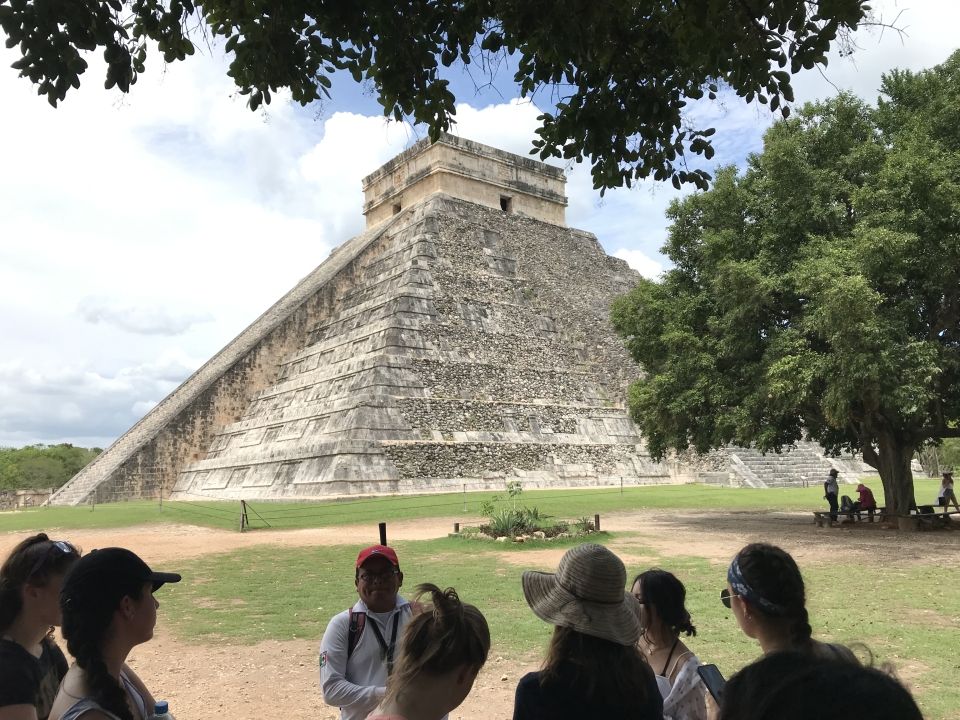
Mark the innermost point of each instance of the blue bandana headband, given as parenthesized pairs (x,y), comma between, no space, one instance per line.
(741,588)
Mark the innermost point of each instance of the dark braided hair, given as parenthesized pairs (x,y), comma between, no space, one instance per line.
(663,591)
(773,575)
(446,635)
(87,616)
(33,560)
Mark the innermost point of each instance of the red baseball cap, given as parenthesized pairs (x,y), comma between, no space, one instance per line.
(382,551)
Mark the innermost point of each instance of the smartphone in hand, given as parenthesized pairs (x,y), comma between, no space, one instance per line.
(710,674)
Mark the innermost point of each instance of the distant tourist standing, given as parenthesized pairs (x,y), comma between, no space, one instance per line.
(359,644)
(830,490)
(946,494)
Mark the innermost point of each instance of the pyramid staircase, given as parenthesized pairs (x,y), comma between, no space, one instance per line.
(459,357)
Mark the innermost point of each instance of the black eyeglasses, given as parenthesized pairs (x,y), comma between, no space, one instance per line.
(725,596)
(56,547)
(384,577)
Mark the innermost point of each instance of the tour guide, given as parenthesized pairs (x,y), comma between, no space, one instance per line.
(359,644)
(830,490)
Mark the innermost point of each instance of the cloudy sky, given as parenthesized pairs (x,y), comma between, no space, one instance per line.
(140,233)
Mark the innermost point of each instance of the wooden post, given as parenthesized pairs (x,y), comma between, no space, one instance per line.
(596,522)
(464,497)
(621,484)
(244,520)
(456,528)
(383,533)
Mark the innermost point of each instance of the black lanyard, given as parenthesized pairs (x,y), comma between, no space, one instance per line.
(386,651)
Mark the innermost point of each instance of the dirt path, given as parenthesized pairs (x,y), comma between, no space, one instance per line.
(279,679)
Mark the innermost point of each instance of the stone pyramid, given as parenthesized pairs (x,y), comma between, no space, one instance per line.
(462,340)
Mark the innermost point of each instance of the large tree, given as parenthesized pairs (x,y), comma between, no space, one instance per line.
(816,294)
(620,72)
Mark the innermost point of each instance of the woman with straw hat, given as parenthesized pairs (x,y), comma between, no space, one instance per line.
(593,667)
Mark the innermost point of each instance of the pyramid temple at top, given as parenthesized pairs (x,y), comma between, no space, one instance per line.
(462,340)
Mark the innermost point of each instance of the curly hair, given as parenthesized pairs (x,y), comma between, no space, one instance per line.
(773,575)
(663,591)
(446,635)
(34,560)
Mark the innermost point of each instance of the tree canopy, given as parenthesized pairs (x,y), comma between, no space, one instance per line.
(42,466)
(621,72)
(817,293)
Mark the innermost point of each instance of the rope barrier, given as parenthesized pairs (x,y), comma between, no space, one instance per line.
(200,512)
(211,508)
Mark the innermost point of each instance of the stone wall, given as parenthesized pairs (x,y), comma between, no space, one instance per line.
(468,171)
(22,499)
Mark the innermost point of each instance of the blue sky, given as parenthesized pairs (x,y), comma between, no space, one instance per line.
(140,233)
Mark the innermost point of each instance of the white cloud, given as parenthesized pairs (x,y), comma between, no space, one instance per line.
(146,320)
(73,403)
(641,262)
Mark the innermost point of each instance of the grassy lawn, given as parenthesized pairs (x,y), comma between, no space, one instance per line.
(563,503)
(910,614)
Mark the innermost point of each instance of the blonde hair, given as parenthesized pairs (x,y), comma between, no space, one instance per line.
(448,634)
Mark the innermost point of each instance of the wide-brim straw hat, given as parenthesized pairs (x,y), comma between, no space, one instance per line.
(586,594)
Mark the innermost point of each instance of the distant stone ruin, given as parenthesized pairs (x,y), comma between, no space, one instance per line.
(461,341)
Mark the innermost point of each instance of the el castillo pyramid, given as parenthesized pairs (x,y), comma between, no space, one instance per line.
(462,340)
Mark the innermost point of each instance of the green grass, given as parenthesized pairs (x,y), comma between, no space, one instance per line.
(909,612)
(562,503)
(906,612)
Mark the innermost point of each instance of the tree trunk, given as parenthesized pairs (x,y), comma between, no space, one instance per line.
(894,457)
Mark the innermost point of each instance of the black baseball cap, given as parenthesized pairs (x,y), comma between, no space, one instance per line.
(109,573)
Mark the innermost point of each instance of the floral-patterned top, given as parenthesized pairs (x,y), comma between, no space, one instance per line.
(684,698)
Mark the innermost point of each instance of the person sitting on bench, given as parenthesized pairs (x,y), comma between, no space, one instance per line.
(866,501)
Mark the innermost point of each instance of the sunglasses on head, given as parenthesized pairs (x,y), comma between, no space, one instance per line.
(57,547)
(725,596)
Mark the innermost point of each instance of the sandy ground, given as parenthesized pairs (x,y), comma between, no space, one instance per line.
(279,679)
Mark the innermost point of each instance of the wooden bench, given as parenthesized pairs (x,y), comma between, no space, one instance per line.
(923,521)
(822,517)
(936,519)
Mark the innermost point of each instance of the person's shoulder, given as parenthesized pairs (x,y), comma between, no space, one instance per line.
(529,681)
(834,651)
(11,649)
(16,663)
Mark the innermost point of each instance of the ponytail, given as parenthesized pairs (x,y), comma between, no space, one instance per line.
(664,591)
(801,633)
(448,634)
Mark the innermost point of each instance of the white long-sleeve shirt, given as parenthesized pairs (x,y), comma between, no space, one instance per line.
(357,685)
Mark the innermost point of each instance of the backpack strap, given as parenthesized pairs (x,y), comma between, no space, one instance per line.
(358,621)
